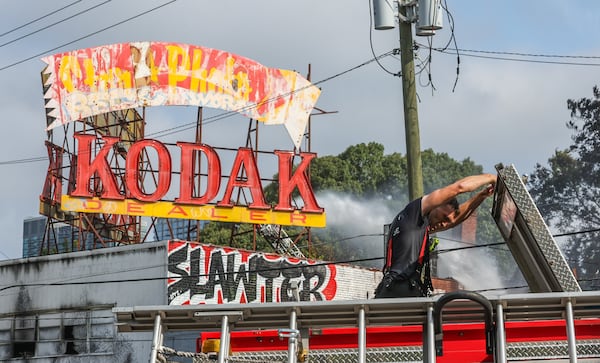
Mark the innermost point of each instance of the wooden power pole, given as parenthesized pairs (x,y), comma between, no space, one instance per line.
(411,117)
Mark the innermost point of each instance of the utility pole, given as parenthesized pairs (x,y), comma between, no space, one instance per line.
(411,116)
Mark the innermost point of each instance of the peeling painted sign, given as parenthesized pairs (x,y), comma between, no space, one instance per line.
(92,81)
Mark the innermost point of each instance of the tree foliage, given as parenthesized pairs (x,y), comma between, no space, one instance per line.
(567,190)
(366,174)
(374,176)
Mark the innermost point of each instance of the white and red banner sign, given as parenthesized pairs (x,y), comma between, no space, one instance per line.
(92,81)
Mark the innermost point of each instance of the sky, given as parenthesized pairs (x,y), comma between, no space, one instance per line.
(505,107)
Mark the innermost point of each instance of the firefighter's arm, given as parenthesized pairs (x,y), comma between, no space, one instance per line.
(467,208)
(464,185)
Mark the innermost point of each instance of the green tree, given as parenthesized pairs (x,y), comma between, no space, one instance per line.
(567,190)
(383,178)
(333,173)
(366,174)
(366,166)
(394,184)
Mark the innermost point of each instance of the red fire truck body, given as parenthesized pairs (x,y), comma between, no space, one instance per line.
(462,342)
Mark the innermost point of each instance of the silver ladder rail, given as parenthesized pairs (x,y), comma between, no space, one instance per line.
(294,317)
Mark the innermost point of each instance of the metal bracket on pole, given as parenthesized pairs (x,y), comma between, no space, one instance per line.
(411,13)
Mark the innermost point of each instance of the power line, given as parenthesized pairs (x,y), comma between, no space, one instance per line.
(472,246)
(53,24)
(24,161)
(88,35)
(279,268)
(222,115)
(577,232)
(465,53)
(40,18)
(371,44)
(520,54)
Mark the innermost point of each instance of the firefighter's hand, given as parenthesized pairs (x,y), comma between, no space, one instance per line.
(489,190)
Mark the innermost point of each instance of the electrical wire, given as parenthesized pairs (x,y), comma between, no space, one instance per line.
(466,53)
(376,59)
(55,23)
(87,36)
(24,161)
(225,114)
(40,18)
(577,232)
(521,54)
(141,279)
(453,40)
(471,247)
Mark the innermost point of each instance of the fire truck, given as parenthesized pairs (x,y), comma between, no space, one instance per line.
(555,321)
(455,327)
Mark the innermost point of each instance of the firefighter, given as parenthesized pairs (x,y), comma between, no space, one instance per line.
(406,270)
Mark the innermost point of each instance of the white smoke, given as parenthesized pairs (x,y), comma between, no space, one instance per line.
(360,223)
(476,269)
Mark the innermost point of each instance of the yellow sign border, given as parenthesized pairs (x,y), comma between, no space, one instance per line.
(167,209)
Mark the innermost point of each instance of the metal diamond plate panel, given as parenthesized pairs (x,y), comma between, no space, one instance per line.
(374,355)
(538,228)
(552,350)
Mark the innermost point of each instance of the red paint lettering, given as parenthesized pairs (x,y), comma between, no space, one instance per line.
(93,177)
(133,170)
(86,168)
(299,179)
(135,208)
(246,158)
(177,210)
(298,217)
(257,215)
(189,159)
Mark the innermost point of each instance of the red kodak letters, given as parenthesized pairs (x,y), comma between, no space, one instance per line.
(95,178)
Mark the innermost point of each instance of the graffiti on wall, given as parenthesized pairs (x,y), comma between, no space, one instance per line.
(206,274)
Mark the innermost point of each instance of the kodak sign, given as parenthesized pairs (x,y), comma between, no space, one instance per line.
(126,194)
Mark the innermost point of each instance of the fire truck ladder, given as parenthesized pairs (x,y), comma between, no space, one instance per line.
(556,327)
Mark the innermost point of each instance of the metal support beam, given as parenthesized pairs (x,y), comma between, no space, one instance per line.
(500,335)
(293,337)
(429,332)
(362,336)
(571,332)
(157,338)
(224,344)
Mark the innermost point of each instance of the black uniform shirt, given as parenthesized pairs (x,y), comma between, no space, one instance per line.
(407,233)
